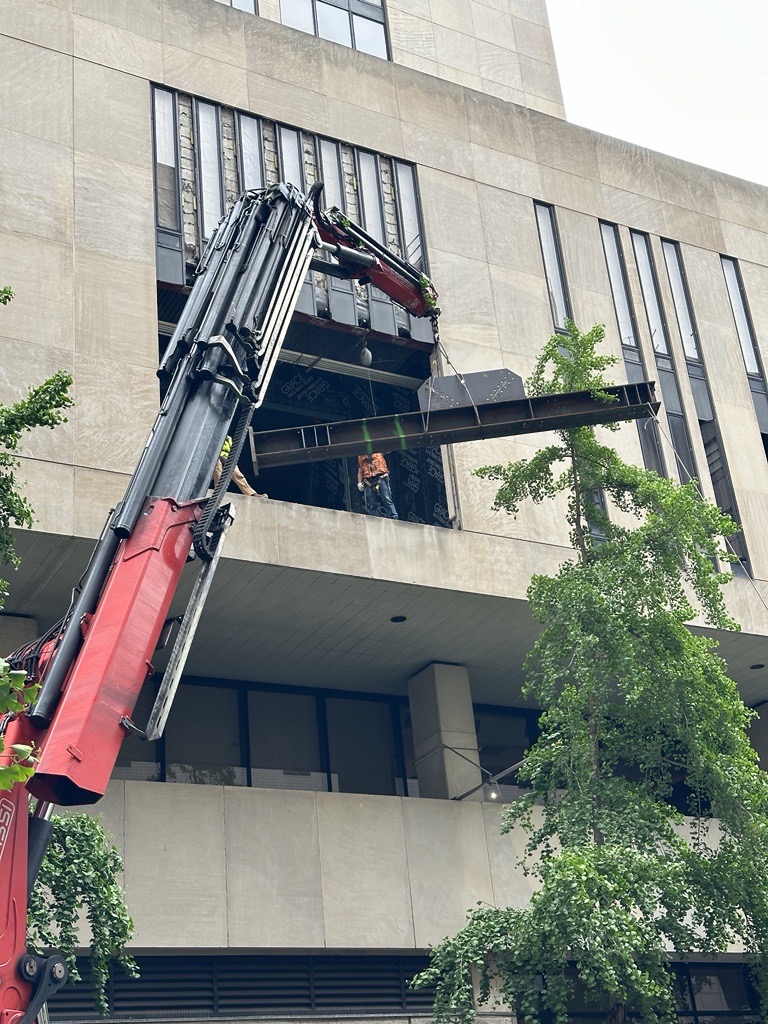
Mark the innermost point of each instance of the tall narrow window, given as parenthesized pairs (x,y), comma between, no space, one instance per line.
(553,264)
(373,214)
(169,251)
(291,162)
(209,167)
(408,208)
(251,162)
(748,342)
(670,390)
(330,162)
(702,397)
(634,364)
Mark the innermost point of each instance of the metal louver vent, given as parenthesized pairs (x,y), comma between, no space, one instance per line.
(179,987)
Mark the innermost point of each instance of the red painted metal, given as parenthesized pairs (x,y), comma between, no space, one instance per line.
(15,992)
(79,750)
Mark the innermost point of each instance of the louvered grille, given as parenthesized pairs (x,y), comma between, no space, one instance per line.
(176,987)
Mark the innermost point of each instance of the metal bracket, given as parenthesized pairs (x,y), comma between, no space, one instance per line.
(186,634)
(48,975)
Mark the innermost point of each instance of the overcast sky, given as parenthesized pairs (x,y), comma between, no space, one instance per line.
(685,77)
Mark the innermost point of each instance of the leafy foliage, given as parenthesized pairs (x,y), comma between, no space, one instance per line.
(634,707)
(81,871)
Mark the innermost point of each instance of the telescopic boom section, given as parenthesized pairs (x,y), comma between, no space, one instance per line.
(217,366)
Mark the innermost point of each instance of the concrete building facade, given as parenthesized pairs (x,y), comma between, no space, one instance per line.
(316,814)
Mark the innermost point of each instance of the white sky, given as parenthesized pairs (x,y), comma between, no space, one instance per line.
(684,77)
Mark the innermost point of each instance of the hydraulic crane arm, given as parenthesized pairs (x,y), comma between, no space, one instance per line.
(92,666)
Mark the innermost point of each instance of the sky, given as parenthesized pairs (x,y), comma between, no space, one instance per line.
(684,77)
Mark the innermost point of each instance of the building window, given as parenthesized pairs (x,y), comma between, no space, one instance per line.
(670,390)
(634,362)
(249,6)
(559,301)
(702,398)
(170,246)
(209,170)
(355,23)
(250,159)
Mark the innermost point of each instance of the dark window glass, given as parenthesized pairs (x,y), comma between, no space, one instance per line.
(553,265)
(251,163)
(361,746)
(284,741)
(209,167)
(202,738)
(650,292)
(409,753)
(682,444)
(369,36)
(166,162)
(291,162)
(298,14)
(370,187)
(333,23)
(741,315)
(720,988)
(410,229)
(617,277)
(681,300)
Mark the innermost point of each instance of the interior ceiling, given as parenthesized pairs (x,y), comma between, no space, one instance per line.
(273,624)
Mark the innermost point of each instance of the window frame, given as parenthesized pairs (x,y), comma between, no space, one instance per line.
(201,210)
(558,270)
(370,11)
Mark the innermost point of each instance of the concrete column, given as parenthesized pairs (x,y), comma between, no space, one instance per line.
(16,630)
(447,760)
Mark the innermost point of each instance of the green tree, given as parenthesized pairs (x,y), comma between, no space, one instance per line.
(80,874)
(632,703)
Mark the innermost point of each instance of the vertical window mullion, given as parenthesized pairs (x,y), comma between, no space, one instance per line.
(557,289)
(322,739)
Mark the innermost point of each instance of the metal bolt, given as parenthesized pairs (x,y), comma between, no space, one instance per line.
(59,972)
(29,967)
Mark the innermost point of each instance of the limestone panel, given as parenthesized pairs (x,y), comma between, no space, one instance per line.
(36,198)
(118,48)
(274,895)
(40,23)
(499,565)
(362,127)
(116,309)
(684,184)
(289,103)
(451,211)
(110,810)
(742,202)
(745,243)
(455,14)
(203,76)
(39,481)
(37,91)
(344,547)
(418,8)
(511,888)
(453,74)
(509,225)
(22,367)
(636,211)
(465,297)
(391,553)
(214,32)
(113,413)
(280,52)
(494,26)
(570,190)
(457,49)
(175,873)
(500,65)
(506,171)
(96,492)
(628,167)
(534,40)
(438,106)
(114,209)
(411,34)
(695,228)
(540,79)
(447,863)
(144,17)
(583,255)
(564,146)
(530,10)
(414,61)
(436,149)
(40,273)
(269,9)
(366,899)
(358,79)
(112,115)
(522,312)
(500,126)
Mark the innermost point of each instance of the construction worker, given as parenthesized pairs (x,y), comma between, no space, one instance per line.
(237,477)
(373,484)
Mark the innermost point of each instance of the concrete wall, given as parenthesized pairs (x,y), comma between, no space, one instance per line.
(208,866)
